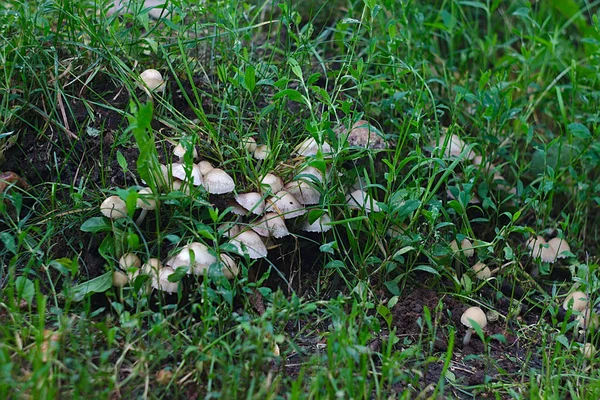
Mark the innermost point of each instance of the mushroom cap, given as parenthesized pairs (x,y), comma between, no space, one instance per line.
(262,152)
(151,267)
(475,314)
(249,144)
(152,79)
(466,247)
(161,281)
(178,171)
(311,173)
(179,151)
(218,181)
(179,185)
(202,258)
(113,207)
(255,248)
(229,229)
(252,202)
(119,279)
(230,268)
(310,147)
(363,134)
(205,167)
(145,200)
(587,319)
(271,224)
(579,301)
(559,246)
(285,204)
(236,208)
(540,248)
(303,192)
(481,270)
(360,199)
(321,224)
(588,350)
(273,183)
(128,261)
(455,146)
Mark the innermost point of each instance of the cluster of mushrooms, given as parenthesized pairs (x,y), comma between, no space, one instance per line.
(267,209)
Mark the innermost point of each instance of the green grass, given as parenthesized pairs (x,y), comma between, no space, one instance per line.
(516,81)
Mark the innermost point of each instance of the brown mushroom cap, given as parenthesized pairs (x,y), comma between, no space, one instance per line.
(577,301)
(481,270)
(119,279)
(364,134)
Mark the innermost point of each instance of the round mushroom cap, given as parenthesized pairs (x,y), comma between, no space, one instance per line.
(466,247)
(363,134)
(230,268)
(474,314)
(577,301)
(252,202)
(161,281)
(129,260)
(271,224)
(152,79)
(321,224)
(151,267)
(119,279)
(588,350)
(145,200)
(205,167)
(114,207)
(229,229)
(481,270)
(248,242)
(272,183)
(218,181)
(285,204)
(559,246)
(310,147)
(179,151)
(303,192)
(262,152)
(360,199)
(249,144)
(179,171)
(540,248)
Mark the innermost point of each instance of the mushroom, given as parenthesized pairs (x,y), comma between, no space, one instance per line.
(114,207)
(454,147)
(119,279)
(248,242)
(470,316)
(230,268)
(360,199)
(271,224)
(303,192)
(310,147)
(153,80)
(262,152)
(180,151)
(363,134)
(466,247)
(272,183)
(321,224)
(218,181)
(285,204)
(205,167)
(252,202)
(577,301)
(130,263)
(201,256)
(481,270)
(161,281)
(588,350)
(249,144)
(145,202)
(560,246)
(540,248)
(180,171)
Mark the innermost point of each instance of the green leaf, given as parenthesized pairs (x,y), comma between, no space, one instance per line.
(250,78)
(25,288)
(291,94)
(122,161)
(329,247)
(148,165)
(99,284)
(9,242)
(426,268)
(386,314)
(96,224)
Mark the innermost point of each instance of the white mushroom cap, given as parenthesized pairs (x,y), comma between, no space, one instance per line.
(588,350)
(364,134)
(128,261)
(218,181)
(285,204)
(119,279)
(577,301)
(229,229)
(474,314)
(205,167)
(273,183)
(262,152)
(310,147)
(249,144)
(113,207)
(559,246)
(151,267)
(255,248)
(540,248)
(271,224)
(481,270)
(587,319)
(360,199)
(230,268)
(236,208)
(303,192)
(466,247)
(202,258)
(145,200)
(152,79)
(321,224)
(178,171)
(252,201)
(179,185)
(311,173)
(161,282)
(179,151)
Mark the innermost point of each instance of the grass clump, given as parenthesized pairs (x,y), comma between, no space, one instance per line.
(444,136)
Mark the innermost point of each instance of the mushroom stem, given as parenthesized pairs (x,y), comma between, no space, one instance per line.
(141,217)
(467,338)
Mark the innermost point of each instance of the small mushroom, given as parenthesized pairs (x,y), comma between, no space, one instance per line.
(146,203)
(262,152)
(363,134)
(321,224)
(310,147)
(272,183)
(161,282)
(271,224)
(179,151)
(359,199)
(178,171)
(218,181)
(577,301)
(230,268)
(153,80)
(560,246)
(201,256)
(131,264)
(205,167)
(466,247)
(303,192)
(588,350)
(470,316)
(540,248)
(253,202)
(114,207)
(248,242)
(285,204)
(481,270)
(119,279)
(249,144)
